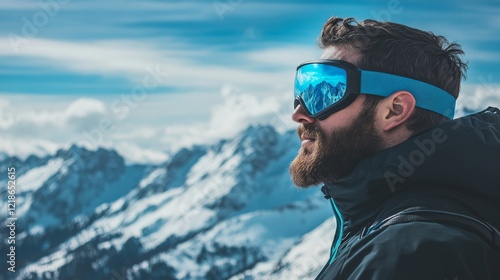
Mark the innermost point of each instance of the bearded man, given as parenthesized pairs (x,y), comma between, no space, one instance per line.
(415,192)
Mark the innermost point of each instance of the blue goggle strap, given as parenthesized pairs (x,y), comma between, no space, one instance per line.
(426,95)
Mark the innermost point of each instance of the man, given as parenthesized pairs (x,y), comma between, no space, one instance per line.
(415,193)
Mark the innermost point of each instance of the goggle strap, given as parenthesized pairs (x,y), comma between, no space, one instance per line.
(426,95)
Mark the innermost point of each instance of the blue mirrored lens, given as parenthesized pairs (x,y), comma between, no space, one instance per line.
(320,86)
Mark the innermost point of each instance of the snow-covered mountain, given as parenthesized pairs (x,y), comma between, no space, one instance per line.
(226,211)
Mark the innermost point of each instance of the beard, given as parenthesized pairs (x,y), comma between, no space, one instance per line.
(334,156)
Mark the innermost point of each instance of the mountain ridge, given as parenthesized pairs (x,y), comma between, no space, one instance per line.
(221,211)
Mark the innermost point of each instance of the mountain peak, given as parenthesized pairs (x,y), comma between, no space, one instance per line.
(98,211)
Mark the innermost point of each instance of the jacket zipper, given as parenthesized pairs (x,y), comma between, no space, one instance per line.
(339,232)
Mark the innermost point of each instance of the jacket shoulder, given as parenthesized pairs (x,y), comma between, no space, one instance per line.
(417,250)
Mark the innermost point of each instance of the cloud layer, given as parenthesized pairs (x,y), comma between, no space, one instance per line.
(142,139)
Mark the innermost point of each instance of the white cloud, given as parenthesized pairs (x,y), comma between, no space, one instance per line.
(4,104)
(478,97)
(102,57)
(81,112)
(147,133)
(41,132)
(152,132)
(28,131)
(135,154)
(177,119)
(237,111)
(177,66)
(164,122)
(24,147)
(6,117)
(83,107)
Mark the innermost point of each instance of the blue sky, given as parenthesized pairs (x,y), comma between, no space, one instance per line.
(150,76)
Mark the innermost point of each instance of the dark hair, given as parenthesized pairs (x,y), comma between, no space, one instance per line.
(400,50)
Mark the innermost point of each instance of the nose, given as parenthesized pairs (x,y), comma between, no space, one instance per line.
(300,116)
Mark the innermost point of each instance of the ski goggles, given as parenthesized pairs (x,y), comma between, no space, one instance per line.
(325,86)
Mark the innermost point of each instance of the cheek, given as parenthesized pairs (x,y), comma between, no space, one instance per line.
(343,118)
(378,122)
(326,131)
(340,121)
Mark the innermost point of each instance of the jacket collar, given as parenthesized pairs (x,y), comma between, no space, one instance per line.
(463,154)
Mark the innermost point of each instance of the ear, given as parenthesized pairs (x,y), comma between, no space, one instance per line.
(396,109)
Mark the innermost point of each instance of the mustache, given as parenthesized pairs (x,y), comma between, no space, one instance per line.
(309,131)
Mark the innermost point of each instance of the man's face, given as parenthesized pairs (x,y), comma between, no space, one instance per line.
(332,147)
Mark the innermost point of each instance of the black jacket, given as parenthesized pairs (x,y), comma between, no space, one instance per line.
(454,167)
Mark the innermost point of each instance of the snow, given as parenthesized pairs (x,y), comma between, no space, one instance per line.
(273,232)
(304,260)
(152,177)
(34,179)
(259,227)
(312,251)
(228,201)
(24,204)
(50,263)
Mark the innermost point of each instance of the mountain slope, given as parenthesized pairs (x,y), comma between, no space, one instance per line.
(227,211)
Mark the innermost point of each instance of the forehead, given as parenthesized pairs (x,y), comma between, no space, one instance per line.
(346,53)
